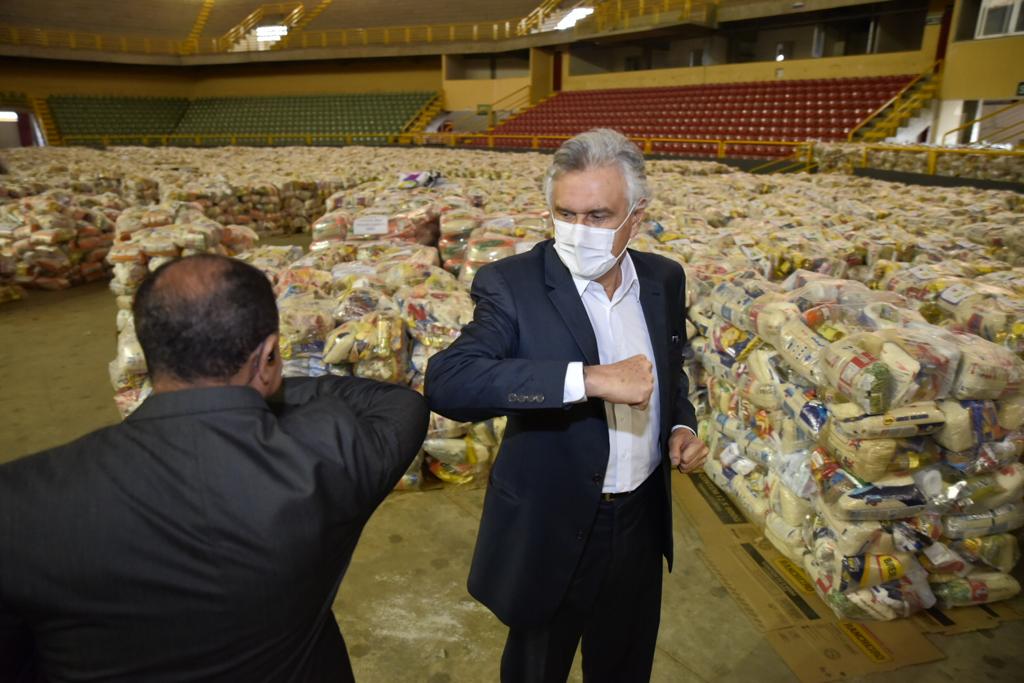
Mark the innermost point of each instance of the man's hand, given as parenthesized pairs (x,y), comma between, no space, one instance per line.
(686,451)
(628,382)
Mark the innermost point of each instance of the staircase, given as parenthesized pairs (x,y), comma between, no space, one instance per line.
(904,108)
(46,121)
(427,114)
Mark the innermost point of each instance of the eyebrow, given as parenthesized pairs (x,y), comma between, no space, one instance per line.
(599,209)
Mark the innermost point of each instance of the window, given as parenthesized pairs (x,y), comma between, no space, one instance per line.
(1000,18)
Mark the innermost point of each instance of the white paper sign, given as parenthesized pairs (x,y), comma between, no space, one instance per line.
(370,225)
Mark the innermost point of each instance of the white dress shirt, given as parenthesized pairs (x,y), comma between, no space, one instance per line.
(621,332)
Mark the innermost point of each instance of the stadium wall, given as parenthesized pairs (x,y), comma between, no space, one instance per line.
(987,69)
(53,77)
(43,77)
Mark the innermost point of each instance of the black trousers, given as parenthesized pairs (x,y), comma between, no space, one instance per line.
(613,602)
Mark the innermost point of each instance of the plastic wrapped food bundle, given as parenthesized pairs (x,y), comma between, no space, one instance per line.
(462,460)
(333,225)
(434,317)
(56,240)
(304,324)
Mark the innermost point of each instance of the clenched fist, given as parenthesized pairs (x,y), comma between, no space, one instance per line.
(686,451)
(628,382)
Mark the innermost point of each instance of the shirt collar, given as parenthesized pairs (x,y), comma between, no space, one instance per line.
(630,281)
(195,401)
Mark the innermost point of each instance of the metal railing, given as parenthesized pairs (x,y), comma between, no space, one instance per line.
(986,117)
(719,148)
(514,101)
(608,16)
(934,69)
(536,18)
(933,153)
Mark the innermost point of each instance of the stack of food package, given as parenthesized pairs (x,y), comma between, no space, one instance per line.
(57,238)
(876,449)
(965,162)
(145,238)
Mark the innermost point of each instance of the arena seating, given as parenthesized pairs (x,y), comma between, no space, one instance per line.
(79,115)
(798,110)
(218,118)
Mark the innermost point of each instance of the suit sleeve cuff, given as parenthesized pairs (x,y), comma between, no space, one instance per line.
(575,390)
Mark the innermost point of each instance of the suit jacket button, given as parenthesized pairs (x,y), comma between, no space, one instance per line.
(597,478)
(580,535)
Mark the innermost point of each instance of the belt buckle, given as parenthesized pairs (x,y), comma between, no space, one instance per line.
(607,497)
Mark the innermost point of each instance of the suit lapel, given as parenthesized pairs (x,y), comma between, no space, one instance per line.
(653,303)
(563,294)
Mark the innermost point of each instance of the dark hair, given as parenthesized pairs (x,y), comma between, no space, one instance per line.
(206,326)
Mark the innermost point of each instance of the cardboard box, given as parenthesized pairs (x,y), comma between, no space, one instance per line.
(838,650)
(717,519)
(779,598)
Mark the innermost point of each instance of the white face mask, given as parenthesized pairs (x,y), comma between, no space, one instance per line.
(587,251)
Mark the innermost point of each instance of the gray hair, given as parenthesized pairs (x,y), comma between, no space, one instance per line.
(594,149)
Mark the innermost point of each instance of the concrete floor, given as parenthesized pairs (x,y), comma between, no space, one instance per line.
(403,606)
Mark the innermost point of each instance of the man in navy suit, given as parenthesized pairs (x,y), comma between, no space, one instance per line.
(580,343)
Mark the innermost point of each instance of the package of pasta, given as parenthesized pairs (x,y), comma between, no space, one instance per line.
(998,551)
(915,419)
(1002,519)
(377,335)
(978,588)
(968,424)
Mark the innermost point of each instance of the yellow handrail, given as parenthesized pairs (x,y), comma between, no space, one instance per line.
(933,153)
(608,15)
(512,96)
(934,68)
(291,11)
(452,139)
(981,118)
(1003,135)
(537,16)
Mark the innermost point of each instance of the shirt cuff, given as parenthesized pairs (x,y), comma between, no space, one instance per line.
(575,390)
(689,429)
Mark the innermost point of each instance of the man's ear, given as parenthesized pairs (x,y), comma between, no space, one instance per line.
(639,213)
(267,361)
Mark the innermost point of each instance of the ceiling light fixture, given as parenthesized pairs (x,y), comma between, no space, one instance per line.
(271,34)
(574,17)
